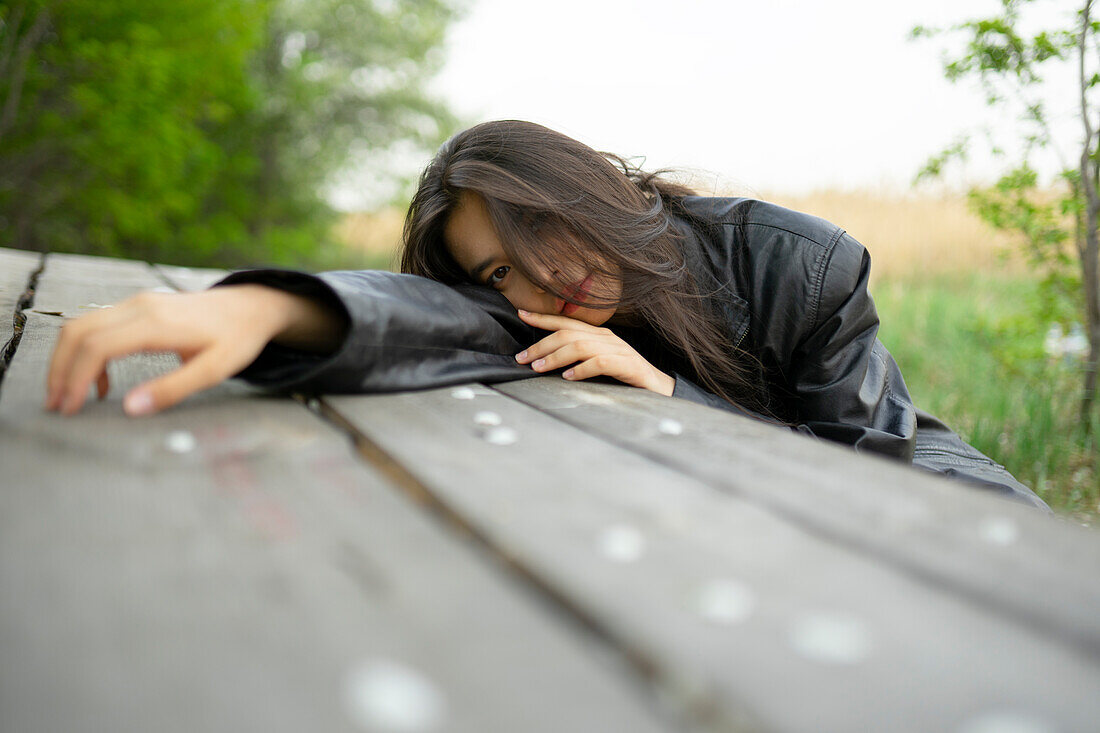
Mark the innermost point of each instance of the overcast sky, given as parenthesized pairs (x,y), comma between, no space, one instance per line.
(758,95)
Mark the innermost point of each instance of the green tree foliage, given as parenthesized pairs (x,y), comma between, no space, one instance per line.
(203,132)
(1058,230)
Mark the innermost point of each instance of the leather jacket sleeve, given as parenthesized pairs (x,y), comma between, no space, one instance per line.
(847,386)
(851,389)
(404,332)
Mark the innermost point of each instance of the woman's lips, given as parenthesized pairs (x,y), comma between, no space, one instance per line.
(575,292)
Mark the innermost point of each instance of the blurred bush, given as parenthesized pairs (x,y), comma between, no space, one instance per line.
(204,132)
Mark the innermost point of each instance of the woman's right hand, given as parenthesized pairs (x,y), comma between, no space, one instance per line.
(216,332)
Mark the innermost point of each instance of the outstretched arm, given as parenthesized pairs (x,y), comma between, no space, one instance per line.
(344,331)
(216,333)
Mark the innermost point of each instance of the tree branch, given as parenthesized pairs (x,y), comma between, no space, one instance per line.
(11,32)
(1087,179)
(15,90)
(1089,261)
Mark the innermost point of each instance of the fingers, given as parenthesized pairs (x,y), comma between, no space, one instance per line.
(69,340)
(548,322)
(600,365)
(562,349)
(633,371)
(628,368)
(203,371)
(206,365)
(611,357)
(216,332)
(593,339)
(88,359)
(595,351)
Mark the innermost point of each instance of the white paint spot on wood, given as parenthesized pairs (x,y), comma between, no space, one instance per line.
(487,418)
(593,398)
(383,695)
(501,435)
(1006,721)
(621,543)
(726,601)
(668,426)
(180,441)
(462,393)
(1000,531)
(831,638)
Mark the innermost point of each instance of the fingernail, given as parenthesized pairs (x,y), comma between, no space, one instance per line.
(538,364)
(523,312)
(521,356)
(139,402)
(568,374)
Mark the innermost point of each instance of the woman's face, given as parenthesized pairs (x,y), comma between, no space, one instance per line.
(475,246)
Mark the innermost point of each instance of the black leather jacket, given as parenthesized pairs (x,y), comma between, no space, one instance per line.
(791,287)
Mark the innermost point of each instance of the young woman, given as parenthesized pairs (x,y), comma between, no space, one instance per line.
(528,252)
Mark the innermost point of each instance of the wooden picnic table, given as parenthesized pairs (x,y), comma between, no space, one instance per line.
(533,556)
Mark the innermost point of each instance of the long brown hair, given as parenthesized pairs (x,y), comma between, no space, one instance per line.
(553,199)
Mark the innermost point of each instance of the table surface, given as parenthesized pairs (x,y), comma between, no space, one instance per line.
(533,556)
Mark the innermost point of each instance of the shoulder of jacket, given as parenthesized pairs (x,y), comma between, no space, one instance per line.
(791,268)
(761,217)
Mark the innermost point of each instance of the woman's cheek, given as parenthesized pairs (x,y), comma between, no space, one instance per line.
(518,302)
(596,316)
(526,300)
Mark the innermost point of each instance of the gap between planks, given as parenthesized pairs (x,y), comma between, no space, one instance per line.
(160,273)
(19,317)
(26,301)
(697,709)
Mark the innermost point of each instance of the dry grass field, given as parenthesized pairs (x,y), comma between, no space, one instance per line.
(910,235)
(907,235)
(376,234)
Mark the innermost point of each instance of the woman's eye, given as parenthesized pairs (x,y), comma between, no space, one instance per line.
(497,275)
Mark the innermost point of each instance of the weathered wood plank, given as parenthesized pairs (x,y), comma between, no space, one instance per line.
(230,565)
(1009,558)
(190,278)
(16,268)
(735,613)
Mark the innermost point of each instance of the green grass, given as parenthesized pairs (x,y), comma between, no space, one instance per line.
(971,351)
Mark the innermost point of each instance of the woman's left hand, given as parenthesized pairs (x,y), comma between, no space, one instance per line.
(596,351)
